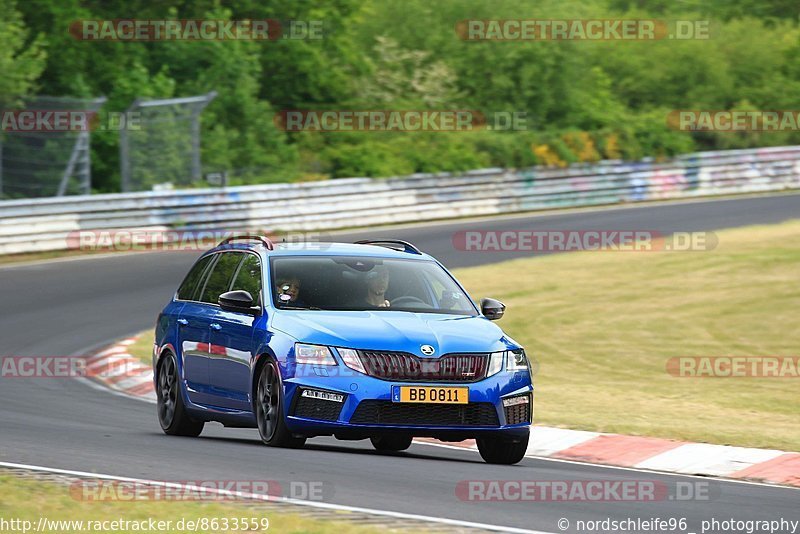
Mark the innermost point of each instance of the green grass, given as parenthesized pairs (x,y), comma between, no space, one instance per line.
(603,325)
(142,348)
(29,500)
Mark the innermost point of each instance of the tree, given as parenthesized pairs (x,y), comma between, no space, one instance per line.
(20,62)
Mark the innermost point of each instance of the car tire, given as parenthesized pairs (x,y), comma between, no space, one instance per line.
(269,401)
(172,414)
(502,449)
(391,443)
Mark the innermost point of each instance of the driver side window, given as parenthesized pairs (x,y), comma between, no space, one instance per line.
(249,277)
(220,279)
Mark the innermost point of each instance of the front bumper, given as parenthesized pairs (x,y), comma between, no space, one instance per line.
(366,406)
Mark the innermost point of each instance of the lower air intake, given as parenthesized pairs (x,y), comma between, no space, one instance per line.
(374,412)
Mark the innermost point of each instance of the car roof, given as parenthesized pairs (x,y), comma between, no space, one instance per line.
(324,249)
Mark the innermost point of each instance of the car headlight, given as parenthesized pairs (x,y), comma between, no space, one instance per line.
(495,363)
(517,361)
(351,359)
(313,354)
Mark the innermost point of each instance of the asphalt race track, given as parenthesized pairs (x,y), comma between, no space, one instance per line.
(64,307)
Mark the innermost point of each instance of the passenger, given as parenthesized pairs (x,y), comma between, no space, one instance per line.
(377,284)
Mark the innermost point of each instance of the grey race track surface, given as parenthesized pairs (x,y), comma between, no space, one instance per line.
(63,307)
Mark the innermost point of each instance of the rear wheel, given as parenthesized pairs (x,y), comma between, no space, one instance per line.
(503,449)
(391,443)
(171,411)
(269,410)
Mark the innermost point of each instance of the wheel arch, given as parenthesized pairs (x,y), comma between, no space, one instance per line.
(163,351)
(259,362)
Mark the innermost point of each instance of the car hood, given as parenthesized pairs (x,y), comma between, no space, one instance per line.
(393,331)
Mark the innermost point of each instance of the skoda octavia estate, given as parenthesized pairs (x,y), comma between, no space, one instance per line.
(374,340)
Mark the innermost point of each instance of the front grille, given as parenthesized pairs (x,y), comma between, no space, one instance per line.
(323,410)
(519,413)
(405,367)
(375,412)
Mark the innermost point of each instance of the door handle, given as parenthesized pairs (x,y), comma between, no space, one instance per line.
(183,322)
(215,326)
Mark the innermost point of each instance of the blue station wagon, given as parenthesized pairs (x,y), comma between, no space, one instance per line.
(373,340)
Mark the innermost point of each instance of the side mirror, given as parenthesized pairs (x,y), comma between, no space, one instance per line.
(492,309)
(238,301)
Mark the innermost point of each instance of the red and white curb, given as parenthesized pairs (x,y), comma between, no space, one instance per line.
(116,369)
(656,454)
(126,374)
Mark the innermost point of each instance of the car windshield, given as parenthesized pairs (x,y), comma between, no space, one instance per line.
(366,283)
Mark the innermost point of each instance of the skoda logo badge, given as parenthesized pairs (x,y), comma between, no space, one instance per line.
(427,350)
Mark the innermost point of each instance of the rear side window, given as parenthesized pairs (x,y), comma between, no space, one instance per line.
(249,276)
(189,287)
(220,279)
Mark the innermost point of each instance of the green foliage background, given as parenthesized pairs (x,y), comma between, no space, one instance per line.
(584,100)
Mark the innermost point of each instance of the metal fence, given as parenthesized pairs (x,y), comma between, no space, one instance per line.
(52,224)
(41,162)
(165,144)
(159,143)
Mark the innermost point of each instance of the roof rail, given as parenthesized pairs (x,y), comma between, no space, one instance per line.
(261,239)
(392,244)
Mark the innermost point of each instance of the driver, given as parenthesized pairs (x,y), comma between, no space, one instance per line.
(377,284)
(287,287)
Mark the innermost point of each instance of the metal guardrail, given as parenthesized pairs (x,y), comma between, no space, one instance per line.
(52,223)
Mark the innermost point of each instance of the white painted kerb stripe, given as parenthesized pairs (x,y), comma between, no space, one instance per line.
(545,441)
(133,381)
(718,460)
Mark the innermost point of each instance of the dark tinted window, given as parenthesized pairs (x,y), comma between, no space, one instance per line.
(366,283)
(220,279)
(249,277)
(188,289)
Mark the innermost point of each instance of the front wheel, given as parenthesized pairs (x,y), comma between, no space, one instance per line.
(502,449)
(172,414)
(391,443)
(269,410)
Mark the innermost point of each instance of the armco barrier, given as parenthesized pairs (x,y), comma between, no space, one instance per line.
(45,224)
